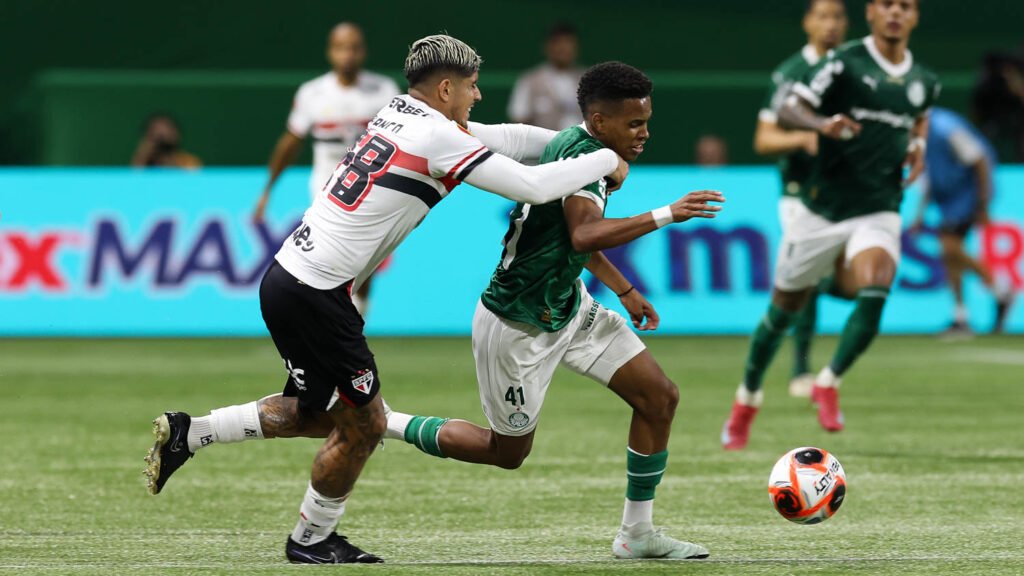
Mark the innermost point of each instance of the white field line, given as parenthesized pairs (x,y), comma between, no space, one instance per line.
(992,356)
(553,562)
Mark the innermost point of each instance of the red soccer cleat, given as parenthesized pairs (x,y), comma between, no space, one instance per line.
(827,400)
(736,431)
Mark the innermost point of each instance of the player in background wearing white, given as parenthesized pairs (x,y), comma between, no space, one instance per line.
(414,152)
(536,314)
(333,110)
(825,23)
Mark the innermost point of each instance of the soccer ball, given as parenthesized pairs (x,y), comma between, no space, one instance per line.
(807,485)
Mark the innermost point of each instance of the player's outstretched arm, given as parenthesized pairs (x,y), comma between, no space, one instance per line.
(590,231)
(983,176)
(517,141)
(797,114)
(772,140)
(284,154)
(634,302)
(546,182)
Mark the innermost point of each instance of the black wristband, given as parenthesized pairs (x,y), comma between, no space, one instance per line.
(626,292)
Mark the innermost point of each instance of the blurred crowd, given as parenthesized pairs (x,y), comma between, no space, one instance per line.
(545,95)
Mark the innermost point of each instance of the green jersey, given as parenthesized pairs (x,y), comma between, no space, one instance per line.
(864,174)
(537,279)
(795,167)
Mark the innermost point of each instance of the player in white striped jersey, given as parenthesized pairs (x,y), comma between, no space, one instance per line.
(414,152)
(333,109)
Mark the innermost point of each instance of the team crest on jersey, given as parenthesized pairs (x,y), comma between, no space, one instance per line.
(363,381)
(518,420)
(915,93)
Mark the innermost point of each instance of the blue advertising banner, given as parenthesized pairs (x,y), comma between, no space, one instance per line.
(126,252)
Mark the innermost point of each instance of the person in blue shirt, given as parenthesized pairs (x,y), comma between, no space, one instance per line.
(958,180)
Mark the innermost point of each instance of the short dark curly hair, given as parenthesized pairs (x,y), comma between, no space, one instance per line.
(611,82)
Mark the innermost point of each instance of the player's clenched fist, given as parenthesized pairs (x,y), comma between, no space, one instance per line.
(616,178)
(839,127)
(695,205)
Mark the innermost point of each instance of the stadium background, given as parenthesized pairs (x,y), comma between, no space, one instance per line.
(78,95)
(935,473)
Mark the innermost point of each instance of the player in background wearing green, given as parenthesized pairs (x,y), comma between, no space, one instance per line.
(870,101)
(825,24)
(536,314)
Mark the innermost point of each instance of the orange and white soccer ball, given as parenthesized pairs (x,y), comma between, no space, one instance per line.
(807,485)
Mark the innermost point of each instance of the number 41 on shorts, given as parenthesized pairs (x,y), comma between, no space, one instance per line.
(510,396)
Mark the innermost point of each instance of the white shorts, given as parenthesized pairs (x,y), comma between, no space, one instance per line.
(789,207)
(515,361)
(811,244)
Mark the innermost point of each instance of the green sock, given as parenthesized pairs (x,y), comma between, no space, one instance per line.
(422,433)
(829,286)
(803,332)
(861,327)
(643,474)
(764,344)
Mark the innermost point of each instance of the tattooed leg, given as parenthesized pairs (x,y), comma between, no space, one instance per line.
(280,417)
(355,434)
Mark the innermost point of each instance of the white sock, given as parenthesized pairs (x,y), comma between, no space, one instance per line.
(827,378)
(638,517)
(397,423)
(318,517)
(960,314)
(748,398)
(226,425)
(1003,288)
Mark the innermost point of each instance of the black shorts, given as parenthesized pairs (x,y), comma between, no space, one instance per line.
(319,335)
(960,229)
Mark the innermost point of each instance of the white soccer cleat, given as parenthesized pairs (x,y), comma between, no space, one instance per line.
(800,386)
(656,544)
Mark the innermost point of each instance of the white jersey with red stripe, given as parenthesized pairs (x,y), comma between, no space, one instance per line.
(410,157)
(335,116)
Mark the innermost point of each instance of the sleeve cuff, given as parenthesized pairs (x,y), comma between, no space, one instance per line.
(766,115)
(590,196)
(807,94)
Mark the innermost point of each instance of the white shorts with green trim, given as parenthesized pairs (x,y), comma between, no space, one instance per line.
(515,361)
(811,244)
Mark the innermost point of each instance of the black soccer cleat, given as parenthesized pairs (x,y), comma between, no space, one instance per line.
(334,550)
(169,451)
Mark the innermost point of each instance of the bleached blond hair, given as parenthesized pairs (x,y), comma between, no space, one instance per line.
(437,53)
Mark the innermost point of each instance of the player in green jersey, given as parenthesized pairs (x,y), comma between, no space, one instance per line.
(825,24)
(870,101)
(536,314)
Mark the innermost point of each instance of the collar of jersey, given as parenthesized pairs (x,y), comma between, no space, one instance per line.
(426,107)
(894,70)
(810,54)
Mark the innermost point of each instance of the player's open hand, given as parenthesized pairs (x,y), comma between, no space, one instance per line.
(840,127)
(639,308)
(915,162)
(695,205)
(616,178)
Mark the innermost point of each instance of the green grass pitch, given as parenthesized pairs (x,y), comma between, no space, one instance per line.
(933,453)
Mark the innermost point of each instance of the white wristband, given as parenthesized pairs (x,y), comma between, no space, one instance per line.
(917,143)
(662,216)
